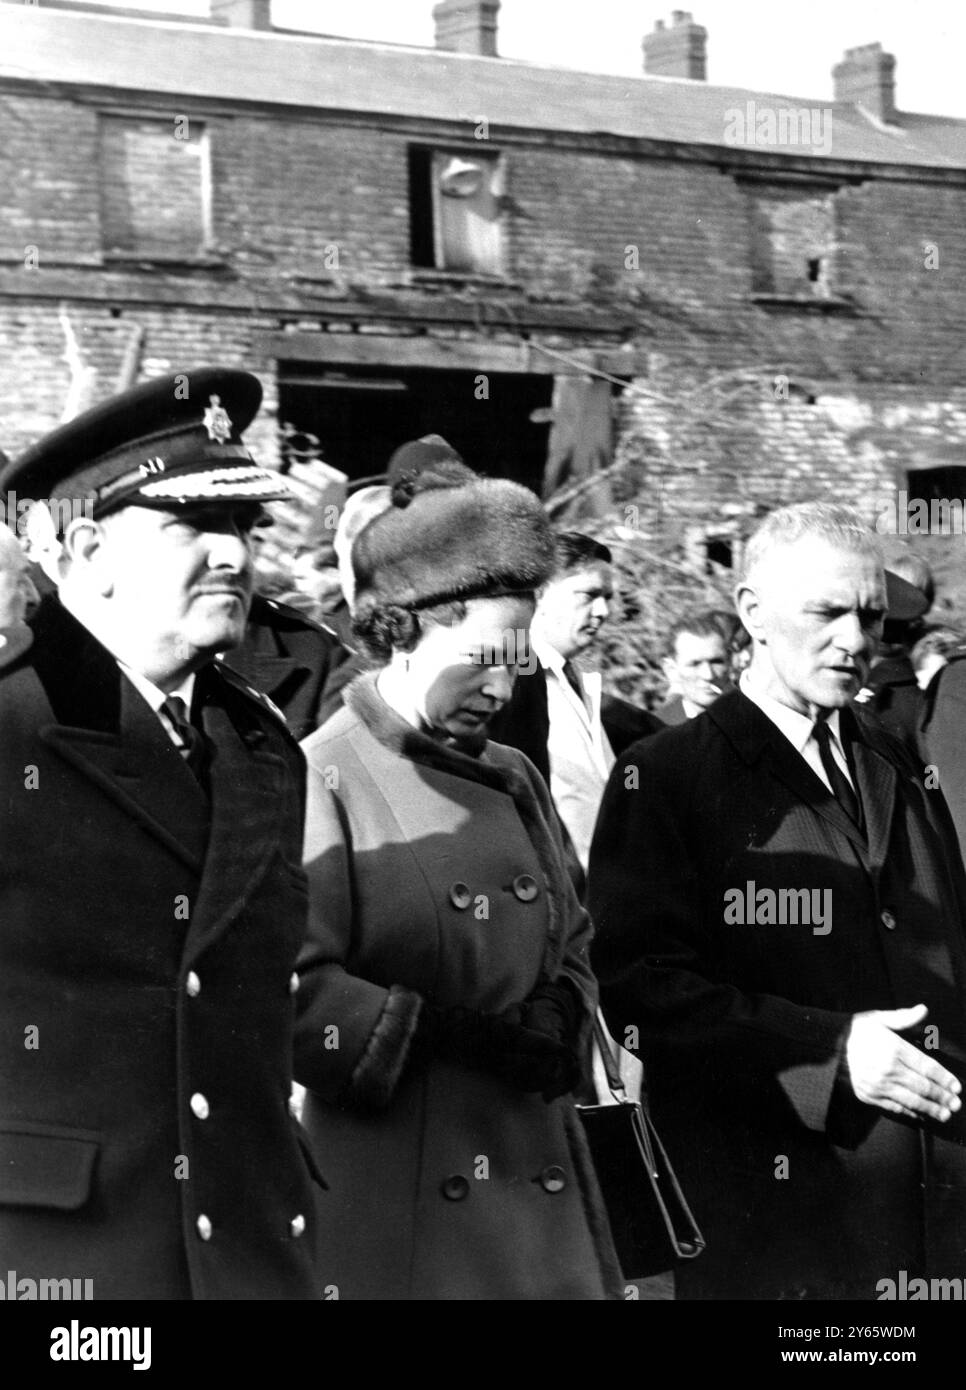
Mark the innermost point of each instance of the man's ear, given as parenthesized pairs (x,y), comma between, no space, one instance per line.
(670,668)
(748,605)
(83,548)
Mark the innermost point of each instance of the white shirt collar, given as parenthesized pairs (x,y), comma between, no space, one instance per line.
(547,655)
(154,696)
(796,727)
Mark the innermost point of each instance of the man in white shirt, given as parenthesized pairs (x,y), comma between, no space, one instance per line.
(558,715)
(779,902)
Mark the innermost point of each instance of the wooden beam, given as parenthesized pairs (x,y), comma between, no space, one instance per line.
(446,354)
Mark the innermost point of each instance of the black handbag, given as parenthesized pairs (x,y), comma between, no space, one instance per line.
(651,1223)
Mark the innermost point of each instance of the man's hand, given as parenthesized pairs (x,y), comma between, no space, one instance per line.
(889,1072)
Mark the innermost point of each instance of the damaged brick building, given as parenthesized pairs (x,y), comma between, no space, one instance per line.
(743,297)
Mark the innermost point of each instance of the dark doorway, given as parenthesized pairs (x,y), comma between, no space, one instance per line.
(359,415)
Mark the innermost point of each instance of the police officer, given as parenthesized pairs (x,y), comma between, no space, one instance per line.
(151,893)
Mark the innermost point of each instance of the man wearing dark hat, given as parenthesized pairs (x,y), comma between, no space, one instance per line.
(779,902)
(892,692)
(151,893)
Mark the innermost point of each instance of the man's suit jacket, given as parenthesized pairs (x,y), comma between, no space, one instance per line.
(301,666)
(802,1190)
(147,946)
(524,722)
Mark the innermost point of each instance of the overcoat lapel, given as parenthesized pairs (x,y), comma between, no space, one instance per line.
(756,738)
(266,671)
(876,778)
(110,734)
(245,785)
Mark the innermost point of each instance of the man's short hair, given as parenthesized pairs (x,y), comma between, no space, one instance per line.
(699,622)
(839,526)
(572,550)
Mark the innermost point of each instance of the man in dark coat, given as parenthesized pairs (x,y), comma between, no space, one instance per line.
(779,903)
(944,738)
(892,692)
(300,665)
(151,896)
(696,665)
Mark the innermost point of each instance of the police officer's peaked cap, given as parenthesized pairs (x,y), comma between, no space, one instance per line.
(168,442)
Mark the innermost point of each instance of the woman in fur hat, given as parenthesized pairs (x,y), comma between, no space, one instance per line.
(445,993)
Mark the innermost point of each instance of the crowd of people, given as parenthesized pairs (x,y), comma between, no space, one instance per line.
(305,927)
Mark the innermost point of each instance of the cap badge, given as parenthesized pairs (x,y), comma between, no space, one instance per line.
(216,421)
(155,465)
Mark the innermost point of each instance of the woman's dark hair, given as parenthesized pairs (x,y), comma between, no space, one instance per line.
(393,628)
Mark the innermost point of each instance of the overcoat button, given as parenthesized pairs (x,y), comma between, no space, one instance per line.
(199,1106)
(296,1226)
(204,1227)
(455,1188)
(553,1179)
(525,888)
(460,896)
(888,920)
(192,985)
(294,983)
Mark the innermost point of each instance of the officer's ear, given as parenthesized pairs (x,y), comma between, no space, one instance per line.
(84,552)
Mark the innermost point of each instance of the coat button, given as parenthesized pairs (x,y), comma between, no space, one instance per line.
(888,920)
(199,1106)
(192,985)
(294,982)
(204,1227)
(460,896)
(454,1189)
(525,888)
(553,1179)
(296,1226)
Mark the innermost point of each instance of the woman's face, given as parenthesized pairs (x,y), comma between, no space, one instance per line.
(460,676)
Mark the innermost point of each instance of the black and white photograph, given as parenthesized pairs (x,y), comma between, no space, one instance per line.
(483,671)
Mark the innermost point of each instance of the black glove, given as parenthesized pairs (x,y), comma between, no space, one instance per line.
(554,1010)
(496,1043)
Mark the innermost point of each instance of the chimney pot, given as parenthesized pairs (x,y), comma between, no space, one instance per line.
(866,77)
(680,51)
(467,26)
(242,14)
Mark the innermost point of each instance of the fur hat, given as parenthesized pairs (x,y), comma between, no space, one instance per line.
(439,543)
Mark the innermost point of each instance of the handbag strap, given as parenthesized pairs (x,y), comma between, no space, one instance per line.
(612,1069)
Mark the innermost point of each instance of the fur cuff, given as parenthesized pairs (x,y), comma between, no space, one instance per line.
(378,1070)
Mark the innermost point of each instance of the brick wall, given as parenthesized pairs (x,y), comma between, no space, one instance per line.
(286,190)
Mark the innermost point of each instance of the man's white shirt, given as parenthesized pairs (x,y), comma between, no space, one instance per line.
(797,728)
(156,698)
(578,749)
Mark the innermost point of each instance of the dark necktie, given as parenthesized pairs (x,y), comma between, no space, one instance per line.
(574,681)
(194,745)
(842,788)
